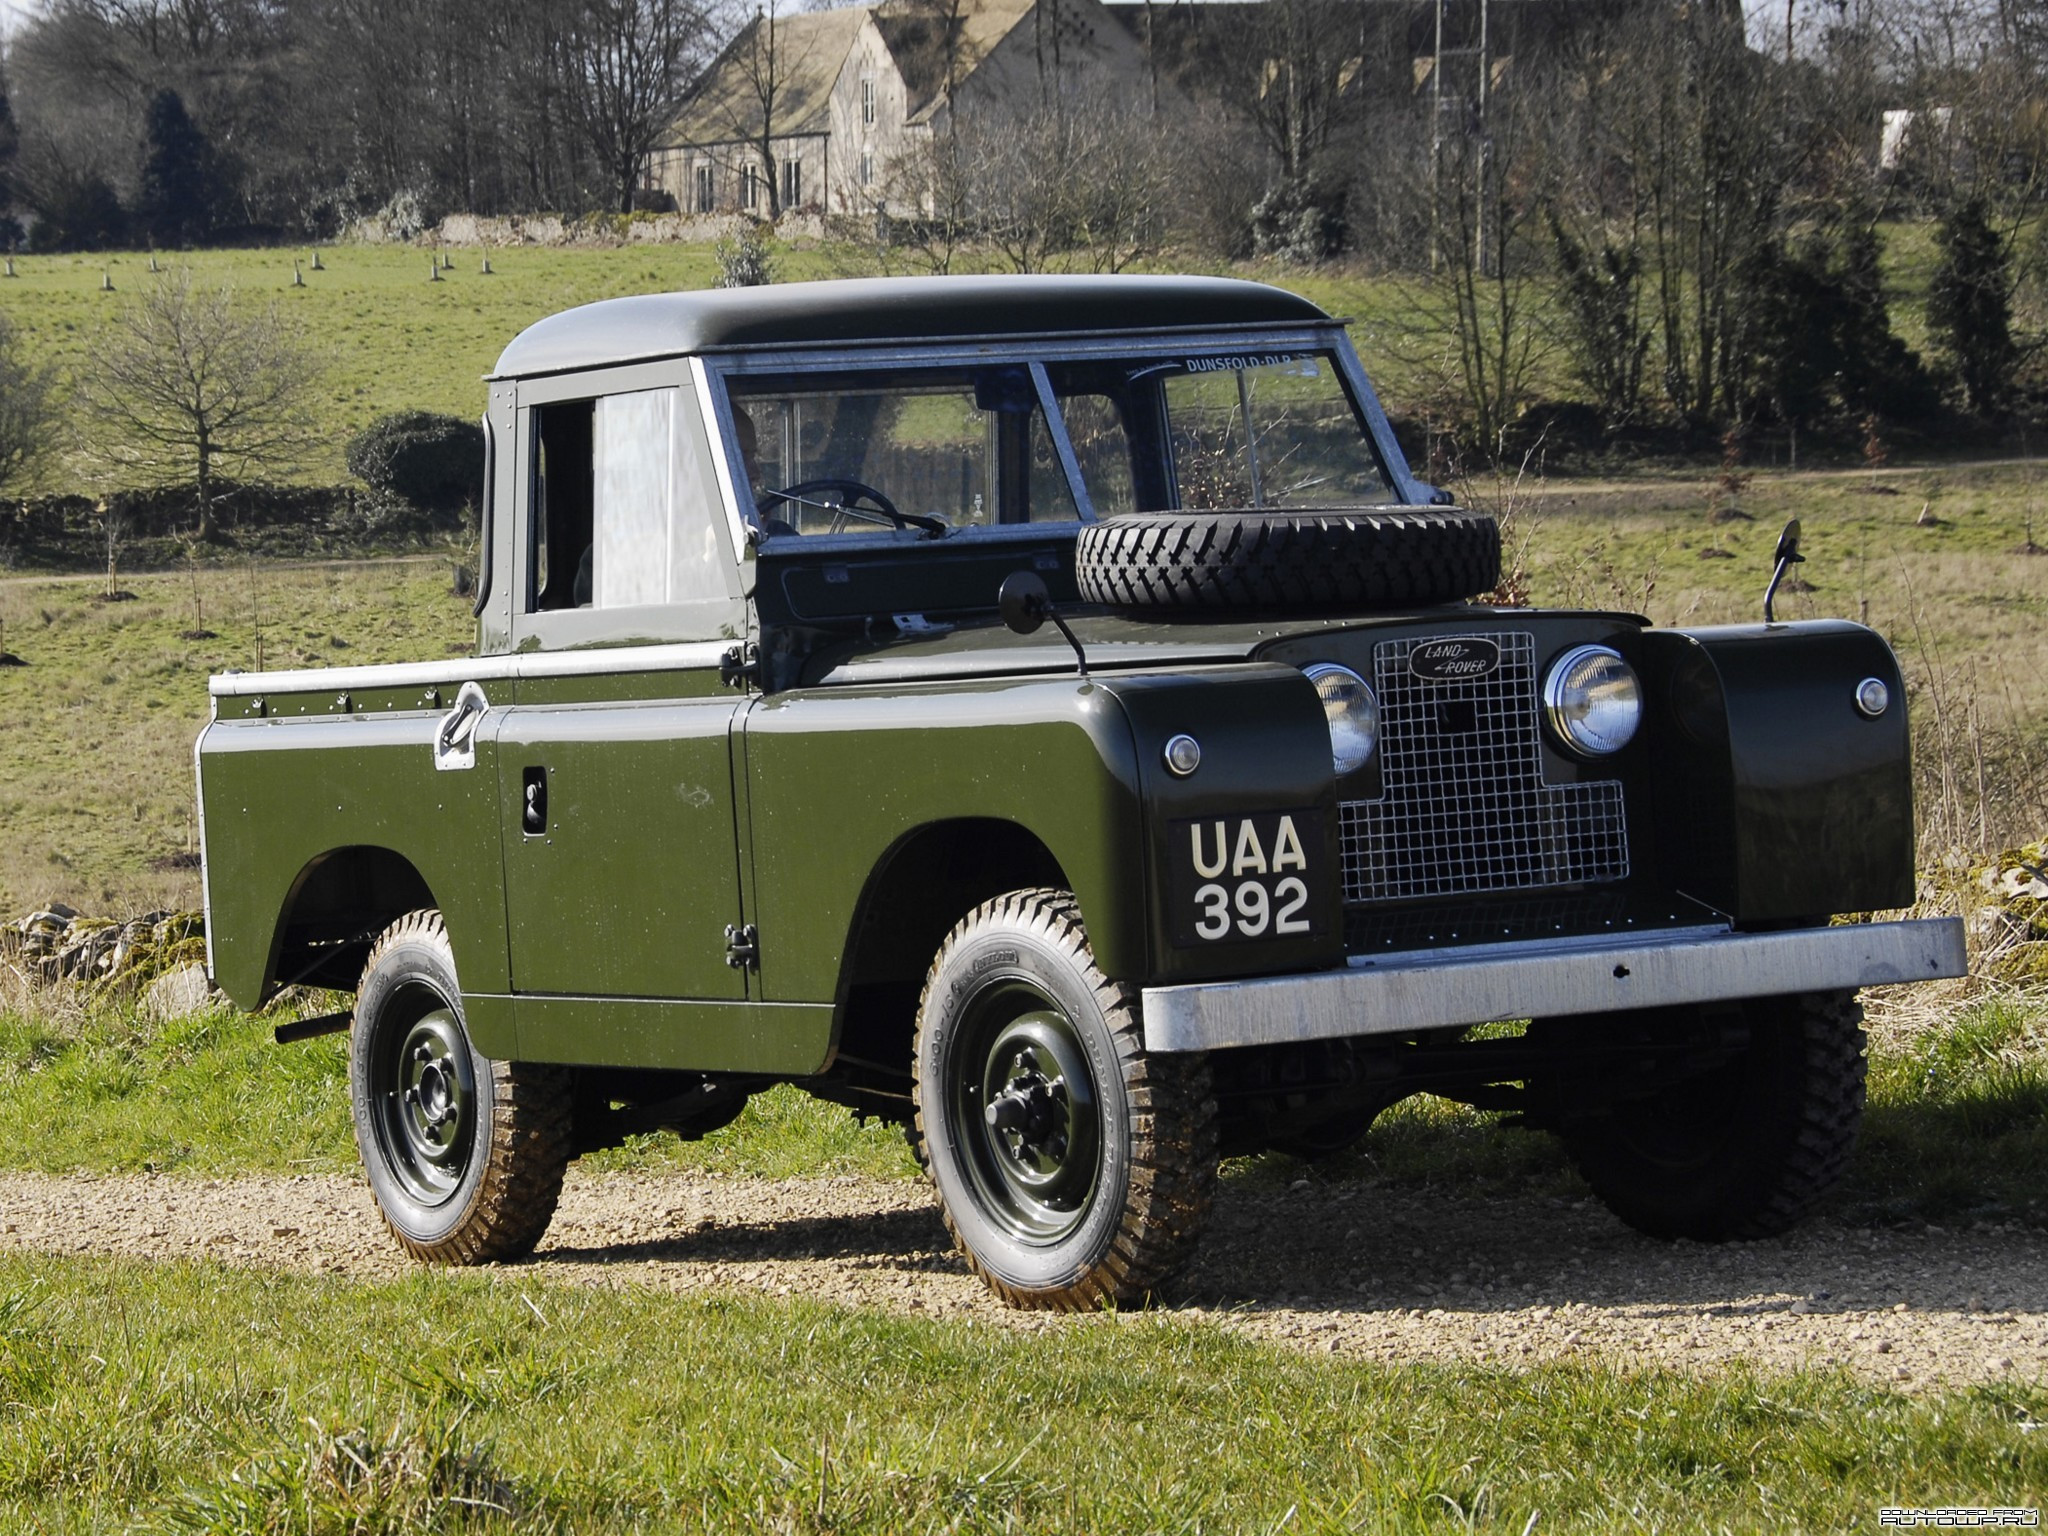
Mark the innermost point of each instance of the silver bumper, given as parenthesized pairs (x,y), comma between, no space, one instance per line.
(1434,989)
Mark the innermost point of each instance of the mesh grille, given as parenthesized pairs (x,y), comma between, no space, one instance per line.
(1463,807)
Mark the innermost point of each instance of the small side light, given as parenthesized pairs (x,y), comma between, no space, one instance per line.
(1872,697)
(1183,756)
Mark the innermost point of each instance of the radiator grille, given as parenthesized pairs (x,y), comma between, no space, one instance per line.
(1463,807)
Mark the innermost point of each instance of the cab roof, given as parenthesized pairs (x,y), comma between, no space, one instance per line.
(889,309)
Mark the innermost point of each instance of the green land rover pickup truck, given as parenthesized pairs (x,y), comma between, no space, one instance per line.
(1050,714)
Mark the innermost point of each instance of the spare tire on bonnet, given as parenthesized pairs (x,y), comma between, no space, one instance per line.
(1326,559)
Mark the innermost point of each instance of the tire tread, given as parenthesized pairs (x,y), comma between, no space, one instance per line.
(1173,1129)
(532,1138)
(1306,561)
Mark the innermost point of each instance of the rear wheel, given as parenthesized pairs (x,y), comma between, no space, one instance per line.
(464,1154)
(1744,1150)
(1074,1167)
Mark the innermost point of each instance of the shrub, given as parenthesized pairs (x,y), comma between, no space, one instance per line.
(743,259)
(1300,222)
(432,462)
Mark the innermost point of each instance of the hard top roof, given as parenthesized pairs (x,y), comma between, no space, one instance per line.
(884,309)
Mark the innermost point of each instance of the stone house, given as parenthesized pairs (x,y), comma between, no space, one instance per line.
(816,112)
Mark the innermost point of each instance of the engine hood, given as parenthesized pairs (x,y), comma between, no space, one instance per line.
(1117,644)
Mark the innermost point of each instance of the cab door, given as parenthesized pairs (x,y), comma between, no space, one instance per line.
(615,778)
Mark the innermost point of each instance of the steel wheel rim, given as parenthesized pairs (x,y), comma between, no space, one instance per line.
(426,1121)
(1029,1117)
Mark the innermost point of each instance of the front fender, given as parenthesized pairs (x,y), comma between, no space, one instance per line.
(1775,797)
(837,777)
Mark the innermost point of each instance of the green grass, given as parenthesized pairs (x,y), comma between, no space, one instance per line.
(392,340)
(1957,1128)
(197,1397)
(96,794)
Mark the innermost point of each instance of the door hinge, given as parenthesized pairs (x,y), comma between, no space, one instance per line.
(740,665)
(743,946)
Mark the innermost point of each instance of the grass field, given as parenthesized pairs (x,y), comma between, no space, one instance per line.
(96,793)
(392,340)
(201,1398)
(205,1398)
(95,762)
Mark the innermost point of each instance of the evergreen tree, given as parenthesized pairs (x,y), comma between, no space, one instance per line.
(180,181)
(1801,307)
(10,140)
(80,215)
(1969,304)
(1826,344)
(1880,373)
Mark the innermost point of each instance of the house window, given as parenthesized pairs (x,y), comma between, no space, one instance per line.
(750,187)
(867,99)
(867,167)
(792,183)
(707,189)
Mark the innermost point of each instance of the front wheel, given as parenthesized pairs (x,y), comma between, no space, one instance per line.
(1746,1149)
(464,1154)
(1074,1168)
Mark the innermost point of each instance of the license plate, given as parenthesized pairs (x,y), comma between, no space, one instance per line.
(1236,879)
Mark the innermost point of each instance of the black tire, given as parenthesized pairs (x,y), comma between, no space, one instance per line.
(1342,559)
(464,1154)
(1096,1185)
(1748,1149)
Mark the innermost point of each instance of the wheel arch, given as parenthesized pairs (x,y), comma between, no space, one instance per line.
(335,908)
(929,879)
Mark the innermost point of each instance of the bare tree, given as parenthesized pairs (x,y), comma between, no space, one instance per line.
(1705,135)
(28,416)
(1079,183)
(1488,201)
(767,60)
(935,181)
(635,61)
(190,382)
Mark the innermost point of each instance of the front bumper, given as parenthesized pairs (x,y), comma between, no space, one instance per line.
(1479,984)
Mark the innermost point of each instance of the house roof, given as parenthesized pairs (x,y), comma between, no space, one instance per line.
(917,33)
(889,309)
(925,39)
(810,50)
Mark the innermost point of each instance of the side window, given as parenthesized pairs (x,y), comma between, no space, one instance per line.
(562,502)
(624,505)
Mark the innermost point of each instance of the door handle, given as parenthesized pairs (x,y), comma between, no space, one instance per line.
(455,737)
(533,811)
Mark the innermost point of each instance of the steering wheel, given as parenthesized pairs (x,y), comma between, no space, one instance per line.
(881,510)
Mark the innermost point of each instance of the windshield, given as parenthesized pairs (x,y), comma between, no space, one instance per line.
(1013,442)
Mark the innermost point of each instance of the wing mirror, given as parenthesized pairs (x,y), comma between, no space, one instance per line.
(1787,556)
(1025,604)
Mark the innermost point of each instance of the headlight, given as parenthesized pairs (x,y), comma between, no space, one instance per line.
(1593,700)
(1352,711)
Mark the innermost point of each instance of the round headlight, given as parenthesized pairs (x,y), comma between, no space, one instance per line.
(1352,711)
(1593,699)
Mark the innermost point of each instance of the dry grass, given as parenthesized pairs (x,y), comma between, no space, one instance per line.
(1964,608)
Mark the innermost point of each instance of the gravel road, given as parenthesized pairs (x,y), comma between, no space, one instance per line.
(1342,1270)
